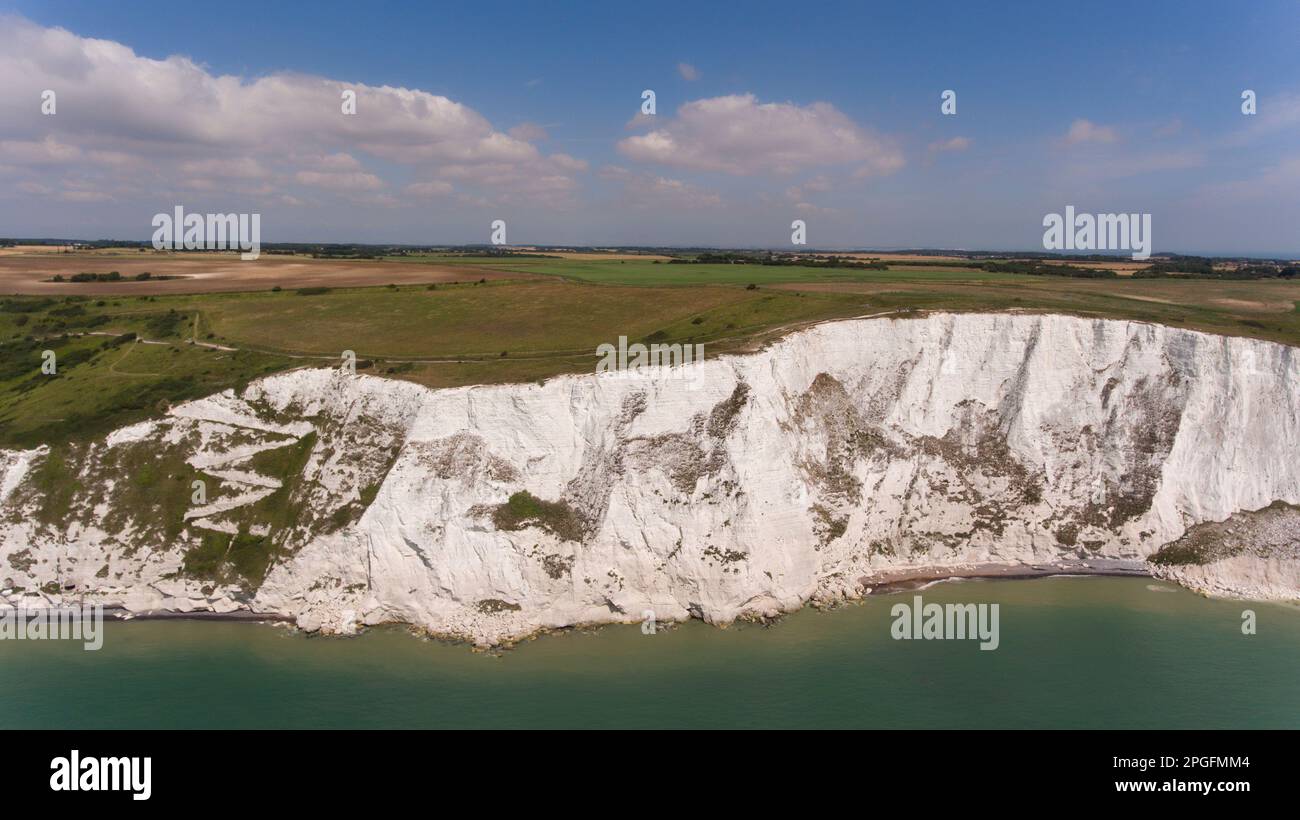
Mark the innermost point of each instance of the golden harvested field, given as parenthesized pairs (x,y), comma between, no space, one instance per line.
(18,250)
(26,273)
(1122,267)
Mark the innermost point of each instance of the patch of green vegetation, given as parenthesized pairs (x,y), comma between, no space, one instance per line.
(349,513)
(282,462)
(164,325)
(249,557)
(368,494)
(152,489)
(456,334)
(525,509)
(648,274)
(22,561)
(105,382)
(224,558)
(34,304)
(111,276)
(490,606)
(543,318)
(282,510)
(245,557)
(557,566)
(57,484)
(1181,552)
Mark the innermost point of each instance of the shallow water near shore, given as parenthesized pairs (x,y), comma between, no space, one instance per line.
(1085,652)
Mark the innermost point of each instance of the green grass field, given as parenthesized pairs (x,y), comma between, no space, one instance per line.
(647,273)
(457,334)
(101,383)
(523,318)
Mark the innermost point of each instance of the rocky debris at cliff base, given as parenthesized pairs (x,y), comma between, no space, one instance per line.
(1252,554)
(908,578)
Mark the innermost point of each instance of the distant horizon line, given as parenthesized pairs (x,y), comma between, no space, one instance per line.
(919,250)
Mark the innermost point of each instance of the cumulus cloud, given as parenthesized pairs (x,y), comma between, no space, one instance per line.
(434,188)
(818,184)
(1082,131)
(549,179)
(644,190)
(809,209)
(339,181)
(954,144)
(529,132)
(1273,185)
(39,152)
(119,112)
(639,122)
(739,135)
(1277,114)
(84,196)
(236,167)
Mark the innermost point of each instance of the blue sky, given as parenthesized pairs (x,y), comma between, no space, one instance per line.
(829,113)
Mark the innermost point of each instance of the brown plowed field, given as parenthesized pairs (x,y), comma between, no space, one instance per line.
(213,273)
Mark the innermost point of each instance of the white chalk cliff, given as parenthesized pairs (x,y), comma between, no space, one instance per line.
(743,486)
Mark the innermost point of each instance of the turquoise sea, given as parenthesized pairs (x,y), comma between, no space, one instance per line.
(1074,653)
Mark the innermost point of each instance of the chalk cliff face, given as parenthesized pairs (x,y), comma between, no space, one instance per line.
(746,485)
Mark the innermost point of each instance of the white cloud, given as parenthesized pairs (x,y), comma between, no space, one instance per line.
(809,209)
(35,188)
(818,184)
(39,152)
(1086,131)
(339,180)
(84,196)
(338,161)
(380,200)
(688,72)
(954,144)
(739,135)
(1272,186)
(1277,114)
(434,188)
(639,121)
(643,189)
(119,112)
(237,167)
(529,132)
(547,180)
(567,163)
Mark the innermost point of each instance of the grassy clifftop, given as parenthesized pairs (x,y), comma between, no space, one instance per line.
(125,358)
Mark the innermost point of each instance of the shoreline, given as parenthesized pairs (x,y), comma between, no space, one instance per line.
(911,578)
(883,583)
(115,612)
